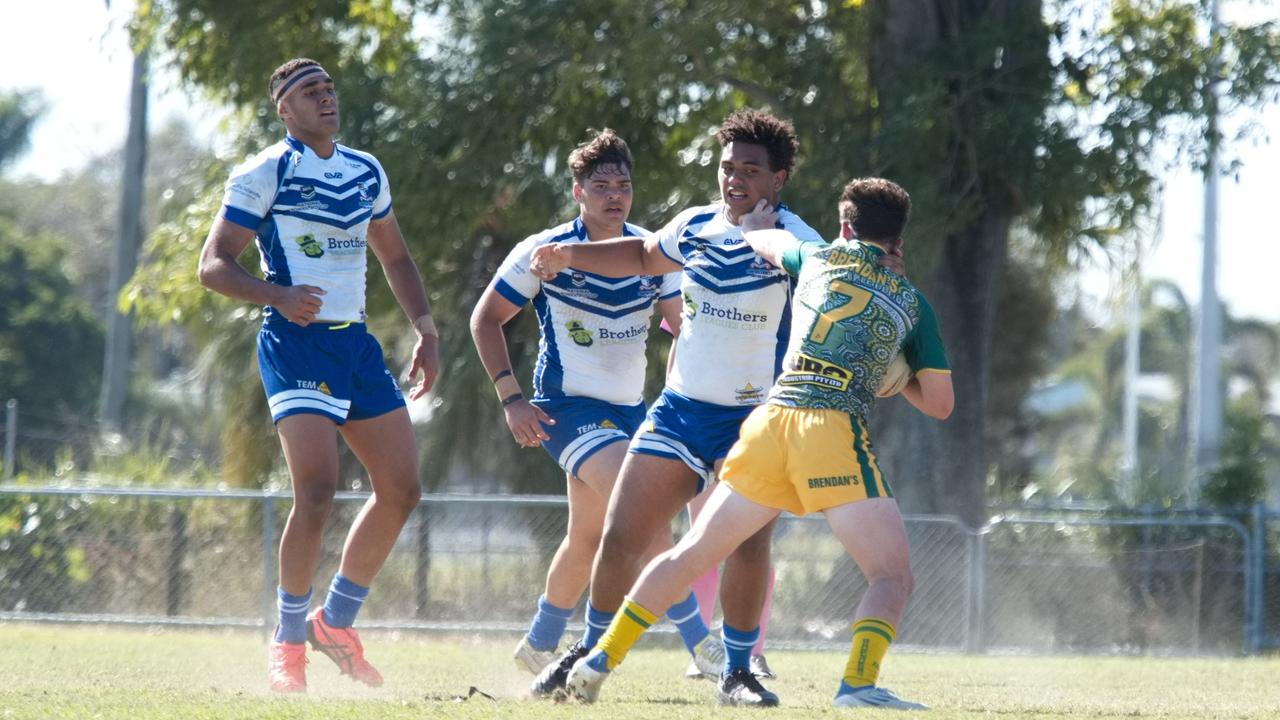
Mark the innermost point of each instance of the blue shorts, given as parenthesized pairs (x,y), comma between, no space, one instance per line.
(694,432)
(324,369)
(584,426)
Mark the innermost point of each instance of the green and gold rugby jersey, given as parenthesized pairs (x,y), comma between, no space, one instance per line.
(850,317)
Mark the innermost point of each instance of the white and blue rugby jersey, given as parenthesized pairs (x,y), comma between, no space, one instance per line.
(593,327)
(311,215)
(737,307)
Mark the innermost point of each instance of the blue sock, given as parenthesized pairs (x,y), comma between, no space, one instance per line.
(293,616)
(548,625)
(343,602)
(688,621)
(597,623)
(737,647)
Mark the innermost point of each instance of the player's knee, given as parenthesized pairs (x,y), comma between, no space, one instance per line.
(583,540)
(898,581)
(622,542)
(757,548)
(403,496)
(314,499)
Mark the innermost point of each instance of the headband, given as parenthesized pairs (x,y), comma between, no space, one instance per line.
(295,82)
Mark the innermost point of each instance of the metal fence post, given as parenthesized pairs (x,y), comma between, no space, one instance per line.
(1258,541)
(10,437)
(975,600)
(268,563)
(177,558)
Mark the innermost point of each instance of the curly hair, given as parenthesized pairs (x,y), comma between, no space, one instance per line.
(282,73)
(758,127)
(604,147)
(876,209)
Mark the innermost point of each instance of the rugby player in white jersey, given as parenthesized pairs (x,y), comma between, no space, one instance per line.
(733,334)
(313,206)
(809,448)
(588,384)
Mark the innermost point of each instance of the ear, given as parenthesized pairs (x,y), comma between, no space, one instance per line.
(846,230)
(282,110)
(577,192)
(779,179)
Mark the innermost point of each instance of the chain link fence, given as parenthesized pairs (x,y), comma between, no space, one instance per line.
(1092,584)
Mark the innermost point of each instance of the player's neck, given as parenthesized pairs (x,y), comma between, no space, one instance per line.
(322,145)
(597,230)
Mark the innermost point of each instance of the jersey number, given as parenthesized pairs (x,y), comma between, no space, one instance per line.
(857,302)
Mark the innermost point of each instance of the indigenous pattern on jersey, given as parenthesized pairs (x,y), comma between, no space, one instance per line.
(851,317)
(593,328)
(736,307)
(311,215)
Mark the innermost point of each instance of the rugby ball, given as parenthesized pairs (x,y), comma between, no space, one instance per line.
(896,377)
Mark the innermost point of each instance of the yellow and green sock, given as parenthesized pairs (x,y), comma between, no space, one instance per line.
(627,627)
(871,639)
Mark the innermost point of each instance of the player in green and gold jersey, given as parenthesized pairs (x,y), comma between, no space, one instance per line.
(807,448)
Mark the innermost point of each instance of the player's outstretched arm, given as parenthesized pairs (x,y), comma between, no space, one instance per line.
(931,393)
(490,314)
(406,284)
(620,257)
(220,272)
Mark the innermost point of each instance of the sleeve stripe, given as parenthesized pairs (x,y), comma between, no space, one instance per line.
(940,371)
(511,294)
(380,215)
(678,261)
(668,296)
(241,217)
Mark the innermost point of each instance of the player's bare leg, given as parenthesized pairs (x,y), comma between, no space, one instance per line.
(387,448)
(570,569)
(727,521)
(310,445)
(385,445)
(588,500)
(873,534)
(649,493)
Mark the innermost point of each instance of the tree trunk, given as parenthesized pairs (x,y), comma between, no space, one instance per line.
(116,364)
(940,467)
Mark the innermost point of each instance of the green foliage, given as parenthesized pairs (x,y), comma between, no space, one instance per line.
(472,106)
(18,114)
(1240,479)
(50,341)
(40,565)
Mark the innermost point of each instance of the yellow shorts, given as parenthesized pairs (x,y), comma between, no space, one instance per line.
(803,460)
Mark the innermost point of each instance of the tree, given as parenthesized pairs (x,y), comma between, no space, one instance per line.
(1019,119)
(50,343)
(991,114)
(18,114)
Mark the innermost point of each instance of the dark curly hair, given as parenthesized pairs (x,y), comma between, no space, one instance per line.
(282,73)
(603,148)
(876,209)
(758,127)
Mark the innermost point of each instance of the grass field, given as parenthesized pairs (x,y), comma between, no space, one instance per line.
(93,672)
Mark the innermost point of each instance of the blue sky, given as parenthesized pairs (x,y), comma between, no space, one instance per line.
(84,78)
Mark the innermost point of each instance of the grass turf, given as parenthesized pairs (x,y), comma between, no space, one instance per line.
(102,672)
